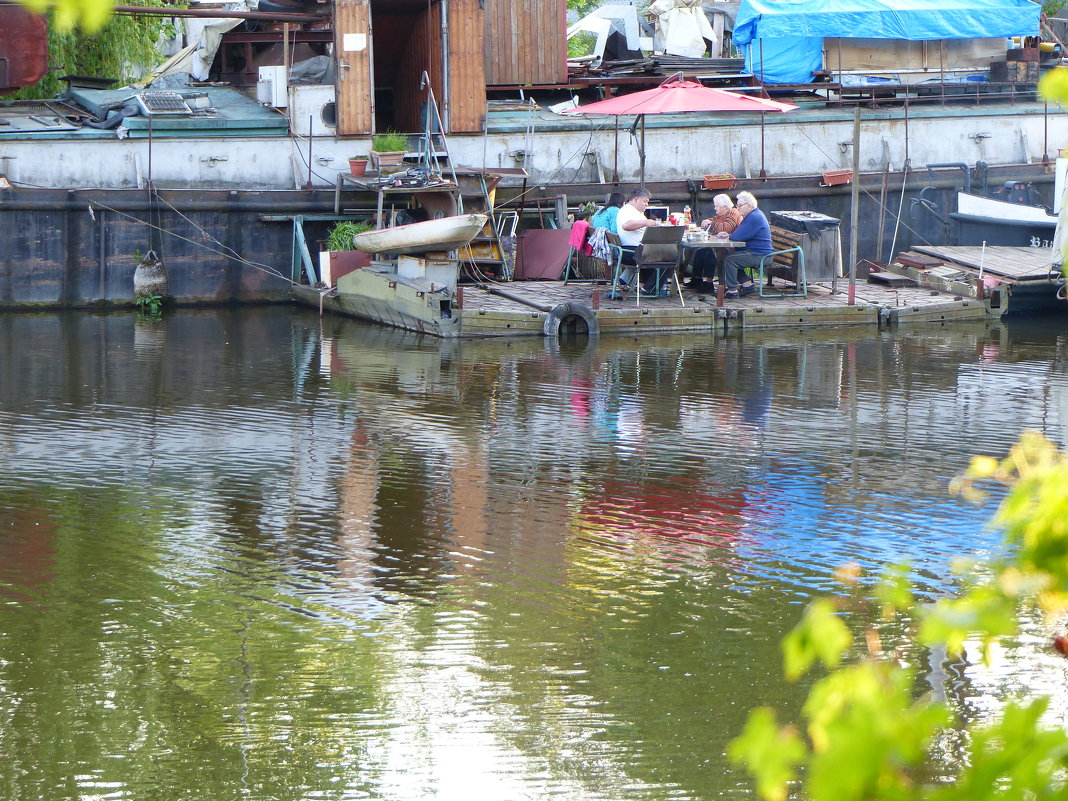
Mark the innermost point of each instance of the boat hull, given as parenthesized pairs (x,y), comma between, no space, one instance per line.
(431,236)
(998,222)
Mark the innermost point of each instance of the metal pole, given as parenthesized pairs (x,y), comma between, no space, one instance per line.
(641,182)
(310,122)
(446,101)
(854,208)
(763,172)
(1045,133)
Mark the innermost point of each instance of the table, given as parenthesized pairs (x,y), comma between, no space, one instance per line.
(701,244)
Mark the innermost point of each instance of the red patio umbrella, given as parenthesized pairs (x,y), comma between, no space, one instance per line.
(678,96)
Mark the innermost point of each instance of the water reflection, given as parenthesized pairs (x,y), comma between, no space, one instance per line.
(258,553)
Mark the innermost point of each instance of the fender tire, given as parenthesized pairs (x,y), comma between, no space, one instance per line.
(561,316)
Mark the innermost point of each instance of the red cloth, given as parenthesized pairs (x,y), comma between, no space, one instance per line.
(580,237)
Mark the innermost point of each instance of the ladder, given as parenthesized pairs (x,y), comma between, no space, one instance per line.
(487,253)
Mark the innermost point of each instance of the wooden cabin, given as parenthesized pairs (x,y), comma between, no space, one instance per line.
(383,47)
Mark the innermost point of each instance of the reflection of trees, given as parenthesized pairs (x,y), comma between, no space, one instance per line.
(156,681)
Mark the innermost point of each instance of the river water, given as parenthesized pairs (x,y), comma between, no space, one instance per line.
(255,554)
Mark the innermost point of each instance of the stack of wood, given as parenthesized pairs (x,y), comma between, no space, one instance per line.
(1020,65)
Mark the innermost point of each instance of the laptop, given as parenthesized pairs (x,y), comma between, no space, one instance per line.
(657,213)
(663,235)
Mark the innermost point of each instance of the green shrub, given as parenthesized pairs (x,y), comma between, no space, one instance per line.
(340,237)
(389,142)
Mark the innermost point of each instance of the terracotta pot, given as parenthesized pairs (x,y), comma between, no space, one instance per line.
(713,182)
(358,166)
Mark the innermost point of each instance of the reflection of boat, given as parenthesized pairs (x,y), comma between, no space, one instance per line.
(442,234)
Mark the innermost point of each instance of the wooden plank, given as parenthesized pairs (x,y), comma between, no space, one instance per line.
(355,75)
(1003,261)
(526,43)
(890,279)
(467,77)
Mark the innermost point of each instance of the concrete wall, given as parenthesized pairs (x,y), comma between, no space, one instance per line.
(555,149)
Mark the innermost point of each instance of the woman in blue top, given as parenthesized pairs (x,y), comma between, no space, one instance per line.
(755,231)
(606,217)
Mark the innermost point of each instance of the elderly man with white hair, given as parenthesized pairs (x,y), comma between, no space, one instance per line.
(755,232)
(705,263)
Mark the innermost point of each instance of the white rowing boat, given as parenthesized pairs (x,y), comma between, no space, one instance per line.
(445,233)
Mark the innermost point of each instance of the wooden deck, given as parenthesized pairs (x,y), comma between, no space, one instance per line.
(520,307)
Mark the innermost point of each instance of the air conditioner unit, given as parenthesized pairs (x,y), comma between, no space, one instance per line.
(271,87)
(312,105)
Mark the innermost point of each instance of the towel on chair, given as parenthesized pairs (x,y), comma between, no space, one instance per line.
(580,232)
(599,247)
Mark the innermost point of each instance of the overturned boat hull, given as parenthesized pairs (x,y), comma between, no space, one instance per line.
(443,234)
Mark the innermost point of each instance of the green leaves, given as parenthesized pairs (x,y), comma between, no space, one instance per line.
(870,734)
(771,753)
(90,15)
(867,733)
(820,635)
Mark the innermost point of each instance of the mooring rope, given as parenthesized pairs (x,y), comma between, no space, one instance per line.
(232,255)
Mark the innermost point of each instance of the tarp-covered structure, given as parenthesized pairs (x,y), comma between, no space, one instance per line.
(783,39)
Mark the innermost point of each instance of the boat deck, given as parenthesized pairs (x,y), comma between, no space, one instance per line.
(1015,280)
(1013,263)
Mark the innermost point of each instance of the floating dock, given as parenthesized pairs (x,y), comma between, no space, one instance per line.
(549,308)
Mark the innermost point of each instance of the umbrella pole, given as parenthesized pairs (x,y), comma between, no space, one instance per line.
(615,160)
(763,172)
(641,176)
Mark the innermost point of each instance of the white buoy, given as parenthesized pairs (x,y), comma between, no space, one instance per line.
(150,277)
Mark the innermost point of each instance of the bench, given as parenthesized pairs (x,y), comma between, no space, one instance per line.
(787,262)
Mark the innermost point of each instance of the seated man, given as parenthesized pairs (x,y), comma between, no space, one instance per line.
(755,232)
(632,222)
(705,262)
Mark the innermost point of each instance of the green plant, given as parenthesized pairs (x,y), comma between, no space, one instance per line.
(872,731)
(340,236)
(150,305)
(389,142)
(359,158)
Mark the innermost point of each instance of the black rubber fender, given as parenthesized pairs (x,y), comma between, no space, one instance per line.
(571,318)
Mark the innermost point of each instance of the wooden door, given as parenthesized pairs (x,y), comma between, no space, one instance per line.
(355,71)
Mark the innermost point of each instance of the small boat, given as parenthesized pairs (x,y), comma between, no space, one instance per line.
(442,234)
(1002,222)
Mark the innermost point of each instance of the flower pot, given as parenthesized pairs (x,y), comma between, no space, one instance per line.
(358,167)
(713,182)
(389,158)
(837,177)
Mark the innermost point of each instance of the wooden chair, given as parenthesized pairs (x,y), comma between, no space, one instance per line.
(787,261)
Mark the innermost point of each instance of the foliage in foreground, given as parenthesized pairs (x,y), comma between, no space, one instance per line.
(121,47)
(869,733)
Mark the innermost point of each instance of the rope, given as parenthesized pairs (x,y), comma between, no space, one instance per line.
(233,256)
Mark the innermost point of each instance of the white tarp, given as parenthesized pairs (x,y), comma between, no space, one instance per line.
(682,28)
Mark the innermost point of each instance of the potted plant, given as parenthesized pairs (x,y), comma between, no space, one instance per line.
(338,257)
(358,165)
(722,180)
(389,148)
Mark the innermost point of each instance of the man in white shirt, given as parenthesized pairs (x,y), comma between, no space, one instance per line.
(631,223)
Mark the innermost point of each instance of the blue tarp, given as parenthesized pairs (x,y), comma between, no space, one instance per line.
(785,37)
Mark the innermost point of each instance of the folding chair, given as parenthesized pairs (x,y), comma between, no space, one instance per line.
(660,252)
